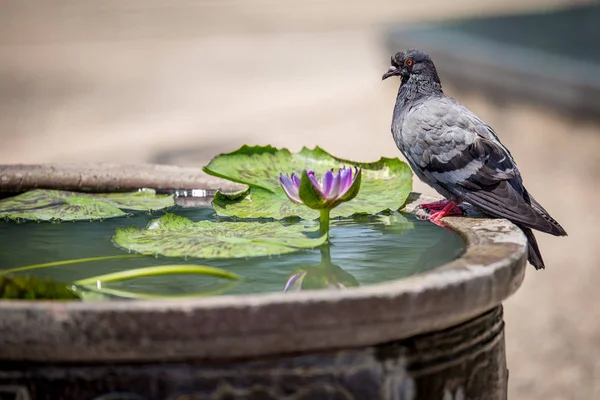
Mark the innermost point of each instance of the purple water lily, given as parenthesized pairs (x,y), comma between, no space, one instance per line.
(333,189)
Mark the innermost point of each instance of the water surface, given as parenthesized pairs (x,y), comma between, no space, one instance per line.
(370,249)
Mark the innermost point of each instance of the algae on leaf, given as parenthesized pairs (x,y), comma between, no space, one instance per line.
(175,236)
(57,205)
(385,185)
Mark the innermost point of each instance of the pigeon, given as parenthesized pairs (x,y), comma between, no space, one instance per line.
(455,152)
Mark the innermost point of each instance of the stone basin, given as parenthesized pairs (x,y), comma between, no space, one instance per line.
(438,334)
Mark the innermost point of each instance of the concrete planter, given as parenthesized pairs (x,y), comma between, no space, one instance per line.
(437,335)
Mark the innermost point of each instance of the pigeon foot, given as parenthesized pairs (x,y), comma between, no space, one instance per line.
(449,208)
(440,205)
(435,206)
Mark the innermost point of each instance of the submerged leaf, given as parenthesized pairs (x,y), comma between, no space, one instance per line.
(385,183)
(32,288)
(57,205)
(175,236)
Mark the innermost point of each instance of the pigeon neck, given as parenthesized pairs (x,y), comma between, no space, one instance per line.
(417,86)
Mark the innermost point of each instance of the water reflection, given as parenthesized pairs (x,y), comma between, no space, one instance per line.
(325,275)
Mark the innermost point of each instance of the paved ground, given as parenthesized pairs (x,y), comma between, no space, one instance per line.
(184,98)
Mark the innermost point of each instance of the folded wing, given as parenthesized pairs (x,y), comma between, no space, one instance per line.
(457,151)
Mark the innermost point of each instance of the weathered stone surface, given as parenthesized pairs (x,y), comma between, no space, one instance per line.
(107,177)
(463,362)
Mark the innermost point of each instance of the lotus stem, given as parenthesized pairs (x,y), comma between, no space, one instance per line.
(324,222)
(67,262)
(325,254)
(158,271)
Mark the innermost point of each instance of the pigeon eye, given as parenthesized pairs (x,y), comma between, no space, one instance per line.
(408,63)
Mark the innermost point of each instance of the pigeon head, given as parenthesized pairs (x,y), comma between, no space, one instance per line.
(412,62)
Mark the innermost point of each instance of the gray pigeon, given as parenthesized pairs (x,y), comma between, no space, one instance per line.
(455,152)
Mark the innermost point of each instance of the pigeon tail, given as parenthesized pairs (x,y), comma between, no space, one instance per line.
(556,229)
(534,255)
(503,200)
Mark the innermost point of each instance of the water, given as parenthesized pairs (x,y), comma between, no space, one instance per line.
(366,248)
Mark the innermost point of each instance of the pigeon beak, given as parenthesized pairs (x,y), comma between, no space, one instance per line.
(390,72)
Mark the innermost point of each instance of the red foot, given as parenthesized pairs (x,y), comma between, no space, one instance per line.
(449,208)
(436,206)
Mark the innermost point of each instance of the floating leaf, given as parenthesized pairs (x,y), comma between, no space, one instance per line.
(51,205)
(142,200)
(175,236)
(32,288)
(385,183)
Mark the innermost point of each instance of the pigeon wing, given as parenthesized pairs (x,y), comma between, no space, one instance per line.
(460,153)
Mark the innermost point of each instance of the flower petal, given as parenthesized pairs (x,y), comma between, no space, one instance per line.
(352,191)
(327,182)
(290,188)
(335,187)
(345,180)
(296,180)
(314,181)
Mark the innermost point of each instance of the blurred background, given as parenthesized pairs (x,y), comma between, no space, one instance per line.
(176,82)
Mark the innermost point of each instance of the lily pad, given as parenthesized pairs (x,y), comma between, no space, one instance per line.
(142,200)
(51,205)
(175,236)
(385,185)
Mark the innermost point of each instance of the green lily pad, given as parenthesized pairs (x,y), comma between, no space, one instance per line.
(385,185)
(175,236)
(142,200)
(50,205)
